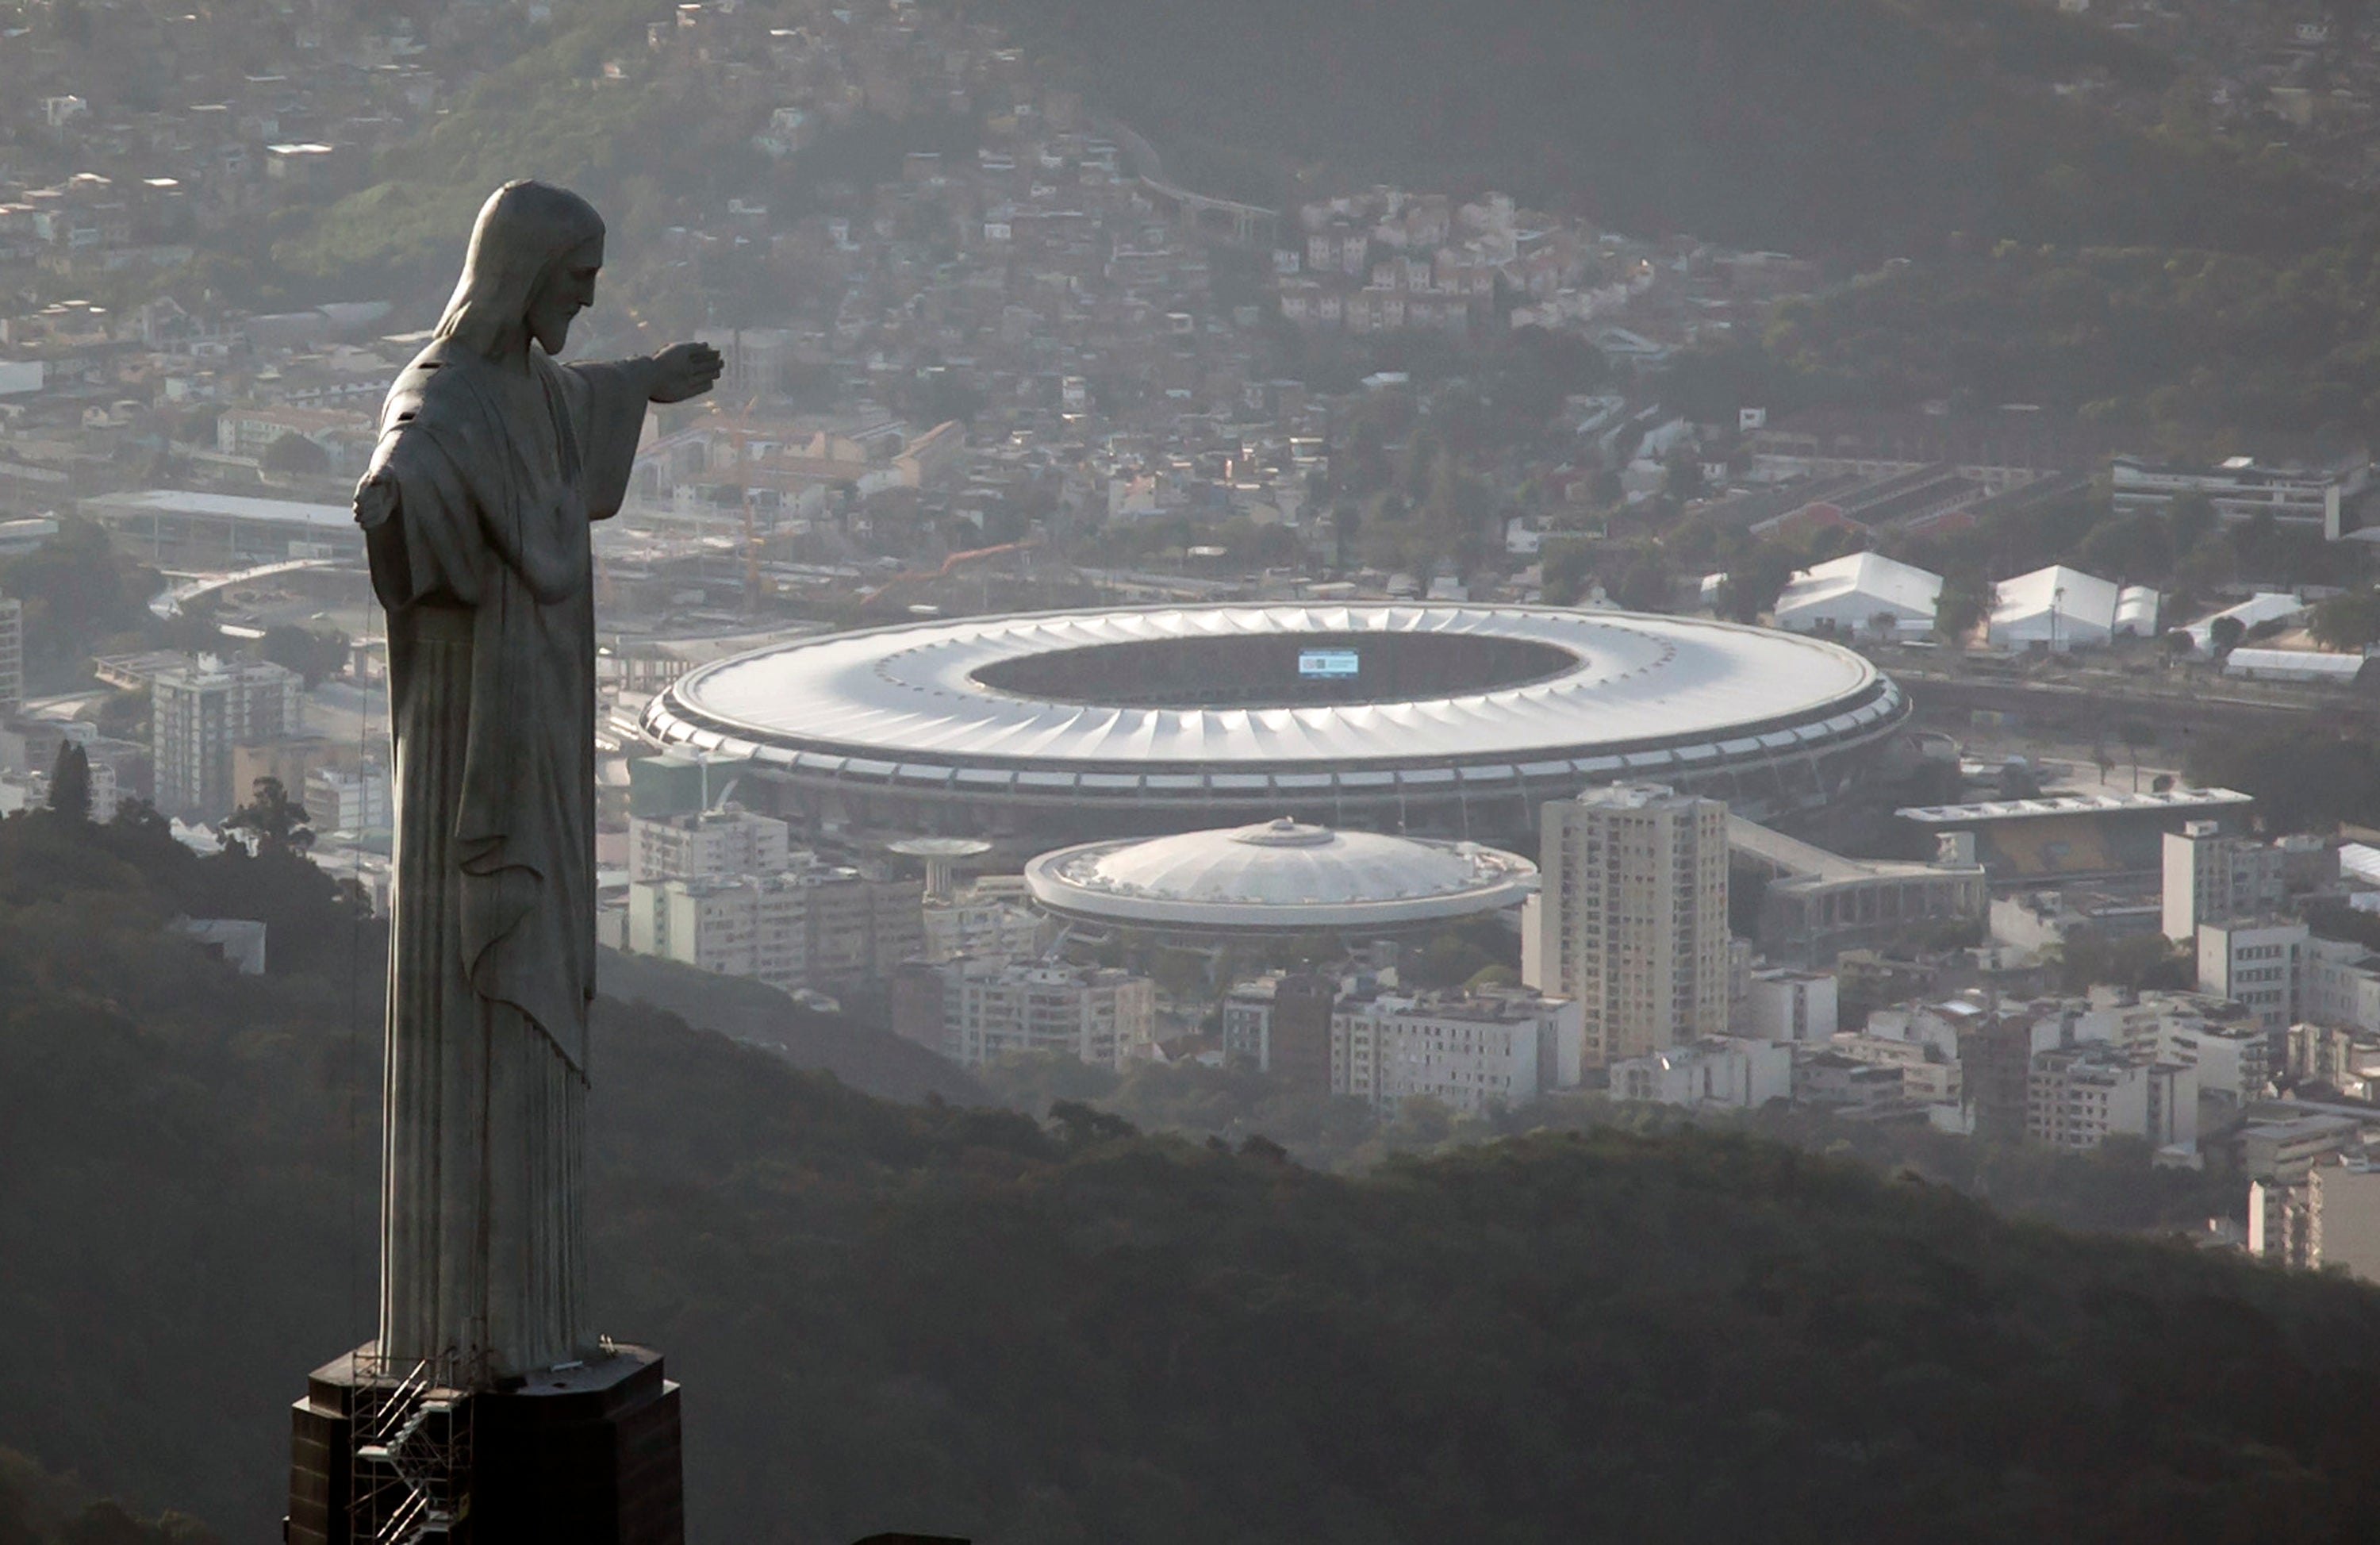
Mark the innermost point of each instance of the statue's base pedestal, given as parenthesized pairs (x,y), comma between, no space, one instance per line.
(585,1455)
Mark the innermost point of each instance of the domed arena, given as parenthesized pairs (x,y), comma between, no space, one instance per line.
(1279,876)
(1430,720)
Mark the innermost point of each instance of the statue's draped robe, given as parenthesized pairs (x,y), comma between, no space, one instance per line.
(486,570)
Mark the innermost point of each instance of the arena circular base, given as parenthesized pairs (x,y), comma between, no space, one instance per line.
(1431,720)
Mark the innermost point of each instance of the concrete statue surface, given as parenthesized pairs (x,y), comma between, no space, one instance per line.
(493,460)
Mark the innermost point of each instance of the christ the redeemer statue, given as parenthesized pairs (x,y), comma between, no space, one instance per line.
(492,459)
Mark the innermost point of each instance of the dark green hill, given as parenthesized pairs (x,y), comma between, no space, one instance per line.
(758,1014)
(1861,128)
(957,1319)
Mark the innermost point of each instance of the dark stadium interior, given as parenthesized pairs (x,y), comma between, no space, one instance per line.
(1278,670)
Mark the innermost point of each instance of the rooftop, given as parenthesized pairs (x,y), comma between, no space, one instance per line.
(1278,876)
(2072,804)
(1044,691)
(231,507)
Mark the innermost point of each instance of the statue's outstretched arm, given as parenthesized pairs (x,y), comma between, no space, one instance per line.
(684,371)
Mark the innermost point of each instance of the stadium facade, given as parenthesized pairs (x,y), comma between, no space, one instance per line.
(1447,720)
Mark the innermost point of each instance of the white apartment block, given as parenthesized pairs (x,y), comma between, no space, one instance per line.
(821,926)
(1926,1076)
(2231,1055)
(746,926)
(1631,922)
(357,801)
(2285,1222)
(1467,1051)
(2339,984)
(712,844)
(992,924)
(1727,1071)
(2077,1097)
(2256,962)
(2328,1219)
(977,1010)
(1788,1005)
(199,711)
(2210,878)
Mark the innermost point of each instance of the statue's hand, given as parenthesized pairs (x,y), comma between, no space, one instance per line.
(684,371)
(375,500)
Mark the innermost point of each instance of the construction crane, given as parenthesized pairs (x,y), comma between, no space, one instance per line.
(910,578)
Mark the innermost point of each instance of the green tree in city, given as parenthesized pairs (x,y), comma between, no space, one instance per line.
(2349,622)
(312,655)
(295,453)
(276,822)
(70,783)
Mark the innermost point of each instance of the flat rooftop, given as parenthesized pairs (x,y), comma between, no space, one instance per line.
(2073,804)
(179,504)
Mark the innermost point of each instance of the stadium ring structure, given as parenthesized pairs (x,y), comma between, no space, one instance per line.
(1440,720)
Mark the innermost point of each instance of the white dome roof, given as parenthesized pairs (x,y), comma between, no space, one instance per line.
(1279,875)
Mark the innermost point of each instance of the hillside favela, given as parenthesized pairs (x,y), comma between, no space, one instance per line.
(1108,772)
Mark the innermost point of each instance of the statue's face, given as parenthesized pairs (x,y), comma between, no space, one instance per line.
(568,289)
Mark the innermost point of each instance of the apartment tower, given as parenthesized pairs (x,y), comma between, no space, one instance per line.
(1632,919)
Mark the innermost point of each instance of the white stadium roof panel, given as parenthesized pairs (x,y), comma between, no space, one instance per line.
(1217,701)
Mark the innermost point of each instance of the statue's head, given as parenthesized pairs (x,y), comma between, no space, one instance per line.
(535,251)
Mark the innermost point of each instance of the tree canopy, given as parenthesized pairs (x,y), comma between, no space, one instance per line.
(966,1319)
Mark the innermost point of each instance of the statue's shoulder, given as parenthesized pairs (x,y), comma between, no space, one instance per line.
(443,389)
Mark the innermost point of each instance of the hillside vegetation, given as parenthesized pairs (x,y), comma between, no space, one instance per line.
(943,1317)
(1865,129)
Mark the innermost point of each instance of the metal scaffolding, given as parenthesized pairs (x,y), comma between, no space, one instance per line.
(411,1462)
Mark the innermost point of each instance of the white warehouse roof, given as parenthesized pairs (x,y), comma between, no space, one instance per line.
(2263,607)
(1848,592)
(2057,605)
(2136,611)
(171,502)
(2292,664)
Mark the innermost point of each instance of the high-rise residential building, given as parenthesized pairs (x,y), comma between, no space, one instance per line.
(199,711)
(12,657)
(2210,878)
(1631,922)
(707,846)
(1465,1049)
(976,1011)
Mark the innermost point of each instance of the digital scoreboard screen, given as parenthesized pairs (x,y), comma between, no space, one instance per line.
(1327,663)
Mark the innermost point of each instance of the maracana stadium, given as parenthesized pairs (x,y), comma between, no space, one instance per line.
(1449,721)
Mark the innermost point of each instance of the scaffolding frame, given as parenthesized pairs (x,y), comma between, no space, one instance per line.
(410,1463)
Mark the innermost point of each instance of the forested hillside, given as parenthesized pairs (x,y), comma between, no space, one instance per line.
(1862,128)
(956,1318)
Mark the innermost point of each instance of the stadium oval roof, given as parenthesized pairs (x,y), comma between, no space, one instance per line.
(1278,876)
(1634,695)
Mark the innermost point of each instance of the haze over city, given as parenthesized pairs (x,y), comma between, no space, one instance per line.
(1044,772)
